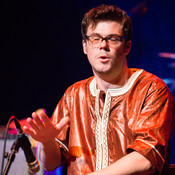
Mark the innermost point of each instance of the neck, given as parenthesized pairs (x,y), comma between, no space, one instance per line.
(105,82)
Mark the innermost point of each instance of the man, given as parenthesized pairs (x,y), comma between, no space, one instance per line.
(119,121)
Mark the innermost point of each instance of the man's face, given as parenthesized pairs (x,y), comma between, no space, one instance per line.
(106,59)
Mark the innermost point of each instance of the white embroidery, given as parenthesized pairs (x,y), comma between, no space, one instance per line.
(98,134)
(101,132)
(105,118)
(119,91)
(102,122)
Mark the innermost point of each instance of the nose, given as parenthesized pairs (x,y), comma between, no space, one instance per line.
(104,44)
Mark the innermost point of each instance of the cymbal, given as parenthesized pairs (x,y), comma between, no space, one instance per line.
(2,128)
(11,132)
(171,65)
(166,55)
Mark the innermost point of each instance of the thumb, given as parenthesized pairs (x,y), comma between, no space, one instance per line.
(62,123)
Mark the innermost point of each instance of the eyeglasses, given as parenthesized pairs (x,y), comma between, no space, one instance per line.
(112,40)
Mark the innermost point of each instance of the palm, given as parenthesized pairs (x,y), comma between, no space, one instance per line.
(42,129)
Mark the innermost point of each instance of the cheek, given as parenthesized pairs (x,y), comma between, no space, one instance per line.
(117,52)
(90,56)
(90,52)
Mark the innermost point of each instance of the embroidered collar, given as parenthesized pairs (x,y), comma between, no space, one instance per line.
(119,91)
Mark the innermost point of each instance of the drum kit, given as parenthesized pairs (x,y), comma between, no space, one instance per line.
(19,165)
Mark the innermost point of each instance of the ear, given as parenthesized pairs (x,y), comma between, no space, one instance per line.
(128,47)
(84,46)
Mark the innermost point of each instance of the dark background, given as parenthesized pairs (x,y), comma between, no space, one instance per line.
(41,51)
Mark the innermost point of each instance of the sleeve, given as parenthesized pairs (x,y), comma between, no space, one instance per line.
(154,126)
(62,110)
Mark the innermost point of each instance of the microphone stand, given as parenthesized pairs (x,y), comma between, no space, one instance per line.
(14,149)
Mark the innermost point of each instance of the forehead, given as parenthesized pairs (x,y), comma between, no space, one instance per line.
(106,28)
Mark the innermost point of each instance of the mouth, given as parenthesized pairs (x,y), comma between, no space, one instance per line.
(103,59)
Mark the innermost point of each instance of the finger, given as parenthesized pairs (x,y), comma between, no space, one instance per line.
(62,123)
(38,120)
(32,123)
(45,119)
(35,115)
(28,131)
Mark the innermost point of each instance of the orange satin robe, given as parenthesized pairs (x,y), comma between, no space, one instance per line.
(105,126)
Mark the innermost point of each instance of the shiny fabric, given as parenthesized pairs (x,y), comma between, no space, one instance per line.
(105,126)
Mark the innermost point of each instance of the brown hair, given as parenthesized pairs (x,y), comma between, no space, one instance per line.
(107,13)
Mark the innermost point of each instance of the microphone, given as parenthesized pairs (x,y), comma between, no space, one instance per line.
(25,144)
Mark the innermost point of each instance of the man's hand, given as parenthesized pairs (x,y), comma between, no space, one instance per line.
(42,129)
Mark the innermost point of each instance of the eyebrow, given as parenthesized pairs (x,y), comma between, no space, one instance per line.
(110,35)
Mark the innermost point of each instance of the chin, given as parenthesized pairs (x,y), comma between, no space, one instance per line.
(103,72)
